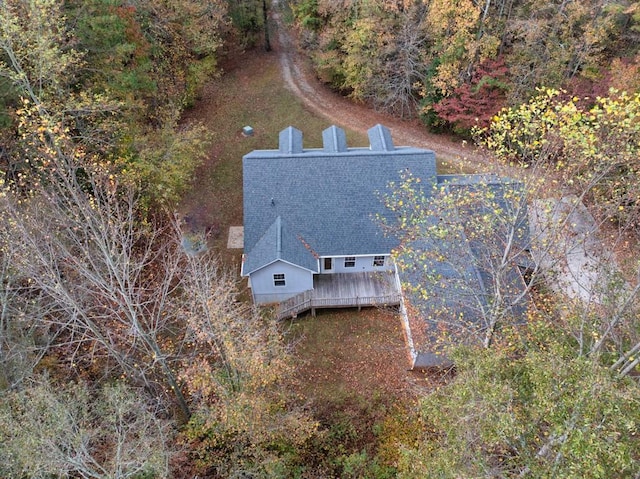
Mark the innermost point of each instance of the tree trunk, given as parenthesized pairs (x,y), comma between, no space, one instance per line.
(265,15)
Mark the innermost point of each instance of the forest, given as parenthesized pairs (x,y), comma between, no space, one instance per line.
(456,64)
(123,357)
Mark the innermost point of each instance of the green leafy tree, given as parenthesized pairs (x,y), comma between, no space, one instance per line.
(593,152)
(461,245)
(306,12)
(166,159)
(101,111)
(553,394)
(369,50)
(533,411)
(557,41)
(84,249)
(38,58)
(396,54)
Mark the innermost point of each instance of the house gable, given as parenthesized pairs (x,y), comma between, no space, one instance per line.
(279,243)
(278,281)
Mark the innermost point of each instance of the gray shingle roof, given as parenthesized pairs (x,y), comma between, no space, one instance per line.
(459,273)
(279,242)
(327,199)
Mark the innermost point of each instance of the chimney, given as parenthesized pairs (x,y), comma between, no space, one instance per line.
(334,140)
(290,141)
(380,138)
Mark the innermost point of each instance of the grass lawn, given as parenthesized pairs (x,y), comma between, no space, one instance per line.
(352,370)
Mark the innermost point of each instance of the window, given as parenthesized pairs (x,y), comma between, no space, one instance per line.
(278,279)
(350,262)
(378,260)
(328,264)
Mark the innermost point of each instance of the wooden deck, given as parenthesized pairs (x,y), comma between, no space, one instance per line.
(344,290)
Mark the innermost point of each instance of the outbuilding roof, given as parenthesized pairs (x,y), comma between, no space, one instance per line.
(457,277)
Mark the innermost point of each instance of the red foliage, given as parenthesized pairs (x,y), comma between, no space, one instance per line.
(476,102)
(586,89)
(622,74)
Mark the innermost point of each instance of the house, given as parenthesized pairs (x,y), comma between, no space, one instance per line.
(310,213)
(312,235)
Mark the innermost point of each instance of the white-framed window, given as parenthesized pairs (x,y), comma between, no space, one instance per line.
(350,262)
(378,261)
(279,280)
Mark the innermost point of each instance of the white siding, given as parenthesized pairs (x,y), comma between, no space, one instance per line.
(362,264)
(296,279)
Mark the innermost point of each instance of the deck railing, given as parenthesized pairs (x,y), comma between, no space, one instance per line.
(305,301)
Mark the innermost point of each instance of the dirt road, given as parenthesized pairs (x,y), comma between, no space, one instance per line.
(300,79)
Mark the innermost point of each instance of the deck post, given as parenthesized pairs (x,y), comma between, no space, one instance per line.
(313,312)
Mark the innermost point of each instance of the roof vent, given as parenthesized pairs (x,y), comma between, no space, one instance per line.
(334,140)
(380,138)
(290,141)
